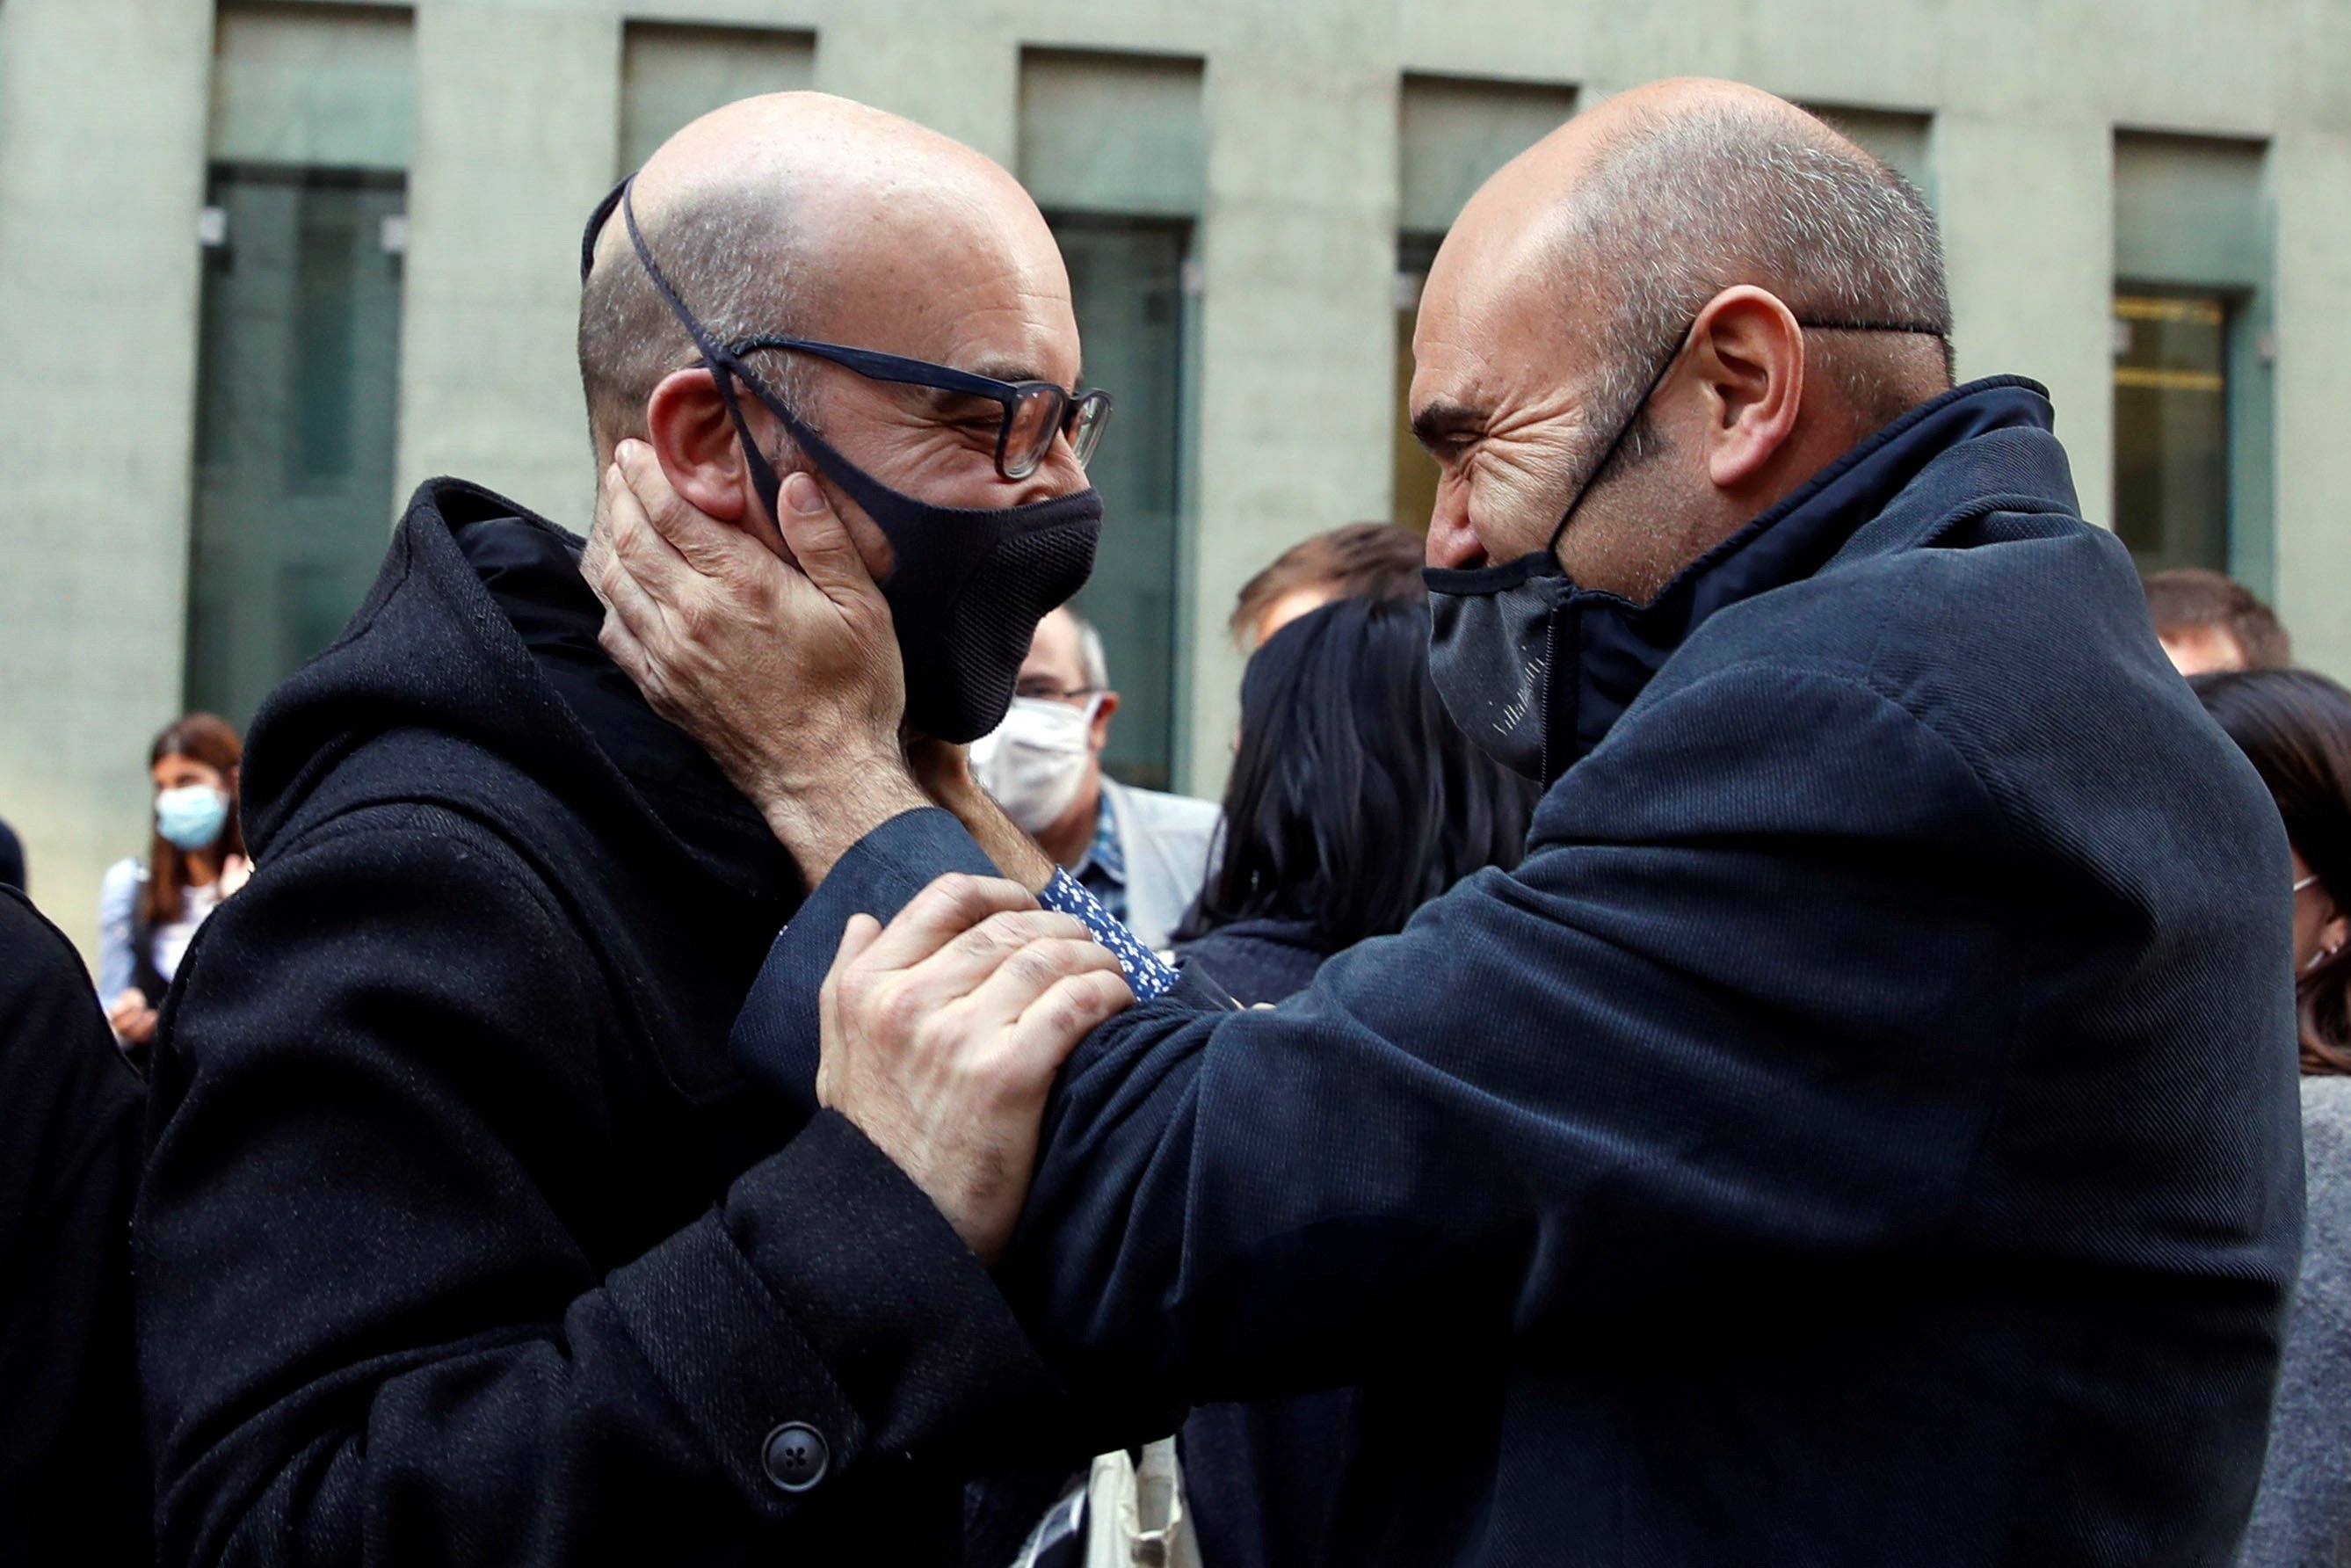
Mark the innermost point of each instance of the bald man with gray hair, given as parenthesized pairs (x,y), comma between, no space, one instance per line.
(1863,1130)
(1143,854)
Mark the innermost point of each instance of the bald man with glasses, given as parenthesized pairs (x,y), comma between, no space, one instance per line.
(463,1239)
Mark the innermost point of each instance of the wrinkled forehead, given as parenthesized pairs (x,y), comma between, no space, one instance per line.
(1501,314)
(1504,297)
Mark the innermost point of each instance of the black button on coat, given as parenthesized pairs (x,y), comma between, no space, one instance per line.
(461,1238)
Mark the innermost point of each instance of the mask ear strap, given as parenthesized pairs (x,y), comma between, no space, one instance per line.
(725,365)
(1625,430)
(1608,453)
(596,222)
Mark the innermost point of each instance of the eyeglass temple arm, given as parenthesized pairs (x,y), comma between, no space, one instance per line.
(883,367)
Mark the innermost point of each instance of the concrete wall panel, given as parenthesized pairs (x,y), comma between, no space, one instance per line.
(518,110)
(102,111)
(2027,207)
(1297,337)
(2311,171)
(942,65)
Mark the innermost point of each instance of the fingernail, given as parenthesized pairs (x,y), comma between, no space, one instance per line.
(801,494)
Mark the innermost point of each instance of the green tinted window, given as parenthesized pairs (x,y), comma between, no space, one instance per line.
(1126,283)
(298,374)
(2171,428)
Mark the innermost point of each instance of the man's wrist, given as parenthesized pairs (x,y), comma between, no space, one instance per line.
(948,782)
(821,821)
(1000,838)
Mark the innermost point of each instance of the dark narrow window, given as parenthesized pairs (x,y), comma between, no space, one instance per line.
(297,383)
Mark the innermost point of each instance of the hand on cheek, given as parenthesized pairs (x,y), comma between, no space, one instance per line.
(787,674)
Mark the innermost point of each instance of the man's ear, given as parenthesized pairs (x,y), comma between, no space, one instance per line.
(693,439)
(1748,361)
(1106,704)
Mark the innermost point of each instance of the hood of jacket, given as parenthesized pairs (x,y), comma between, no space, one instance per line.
(430,648)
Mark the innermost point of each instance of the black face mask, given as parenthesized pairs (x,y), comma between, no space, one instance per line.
(968,586)
(1496,633)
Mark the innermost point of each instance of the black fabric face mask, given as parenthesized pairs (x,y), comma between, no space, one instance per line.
(1500,636)
(968,586)
(1495,631)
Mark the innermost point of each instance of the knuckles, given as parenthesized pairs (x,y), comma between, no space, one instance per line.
(897,1010)
(963,899)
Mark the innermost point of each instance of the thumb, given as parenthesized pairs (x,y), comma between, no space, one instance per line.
(817,537)
(856,937)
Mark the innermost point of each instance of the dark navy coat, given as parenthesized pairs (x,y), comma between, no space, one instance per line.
(1862,1131)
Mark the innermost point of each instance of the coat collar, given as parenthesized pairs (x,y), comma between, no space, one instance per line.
(1898,489)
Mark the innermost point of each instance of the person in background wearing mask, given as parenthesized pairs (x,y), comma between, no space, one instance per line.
(1354,800)
(1358,560)
(460,1237)
(2296,728)
(2207,621)
(1141,853)
(148,911)
(1861,1130)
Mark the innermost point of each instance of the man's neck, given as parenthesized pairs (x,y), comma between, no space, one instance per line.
(1071,834)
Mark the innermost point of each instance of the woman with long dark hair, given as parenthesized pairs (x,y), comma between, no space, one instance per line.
(148,910)
(2296,728)
(1353,801)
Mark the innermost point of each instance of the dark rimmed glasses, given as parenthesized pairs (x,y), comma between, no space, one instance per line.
(1043,689)
(1034,412)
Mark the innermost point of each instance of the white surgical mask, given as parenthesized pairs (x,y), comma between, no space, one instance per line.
(192,816)
(1035,761)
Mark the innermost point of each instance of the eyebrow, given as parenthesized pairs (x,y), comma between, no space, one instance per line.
(1011,370)
(1432,424)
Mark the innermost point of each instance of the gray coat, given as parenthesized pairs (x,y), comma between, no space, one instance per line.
(2302,1518)
(1166,839)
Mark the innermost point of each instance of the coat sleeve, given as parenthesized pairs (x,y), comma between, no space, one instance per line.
(1691,1036)
(118,899)
(368,1333)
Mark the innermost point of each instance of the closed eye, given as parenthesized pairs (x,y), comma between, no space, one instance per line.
(1446,431)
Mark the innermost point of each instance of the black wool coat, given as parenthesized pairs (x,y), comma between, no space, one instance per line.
(73,1464)
(461,1238)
